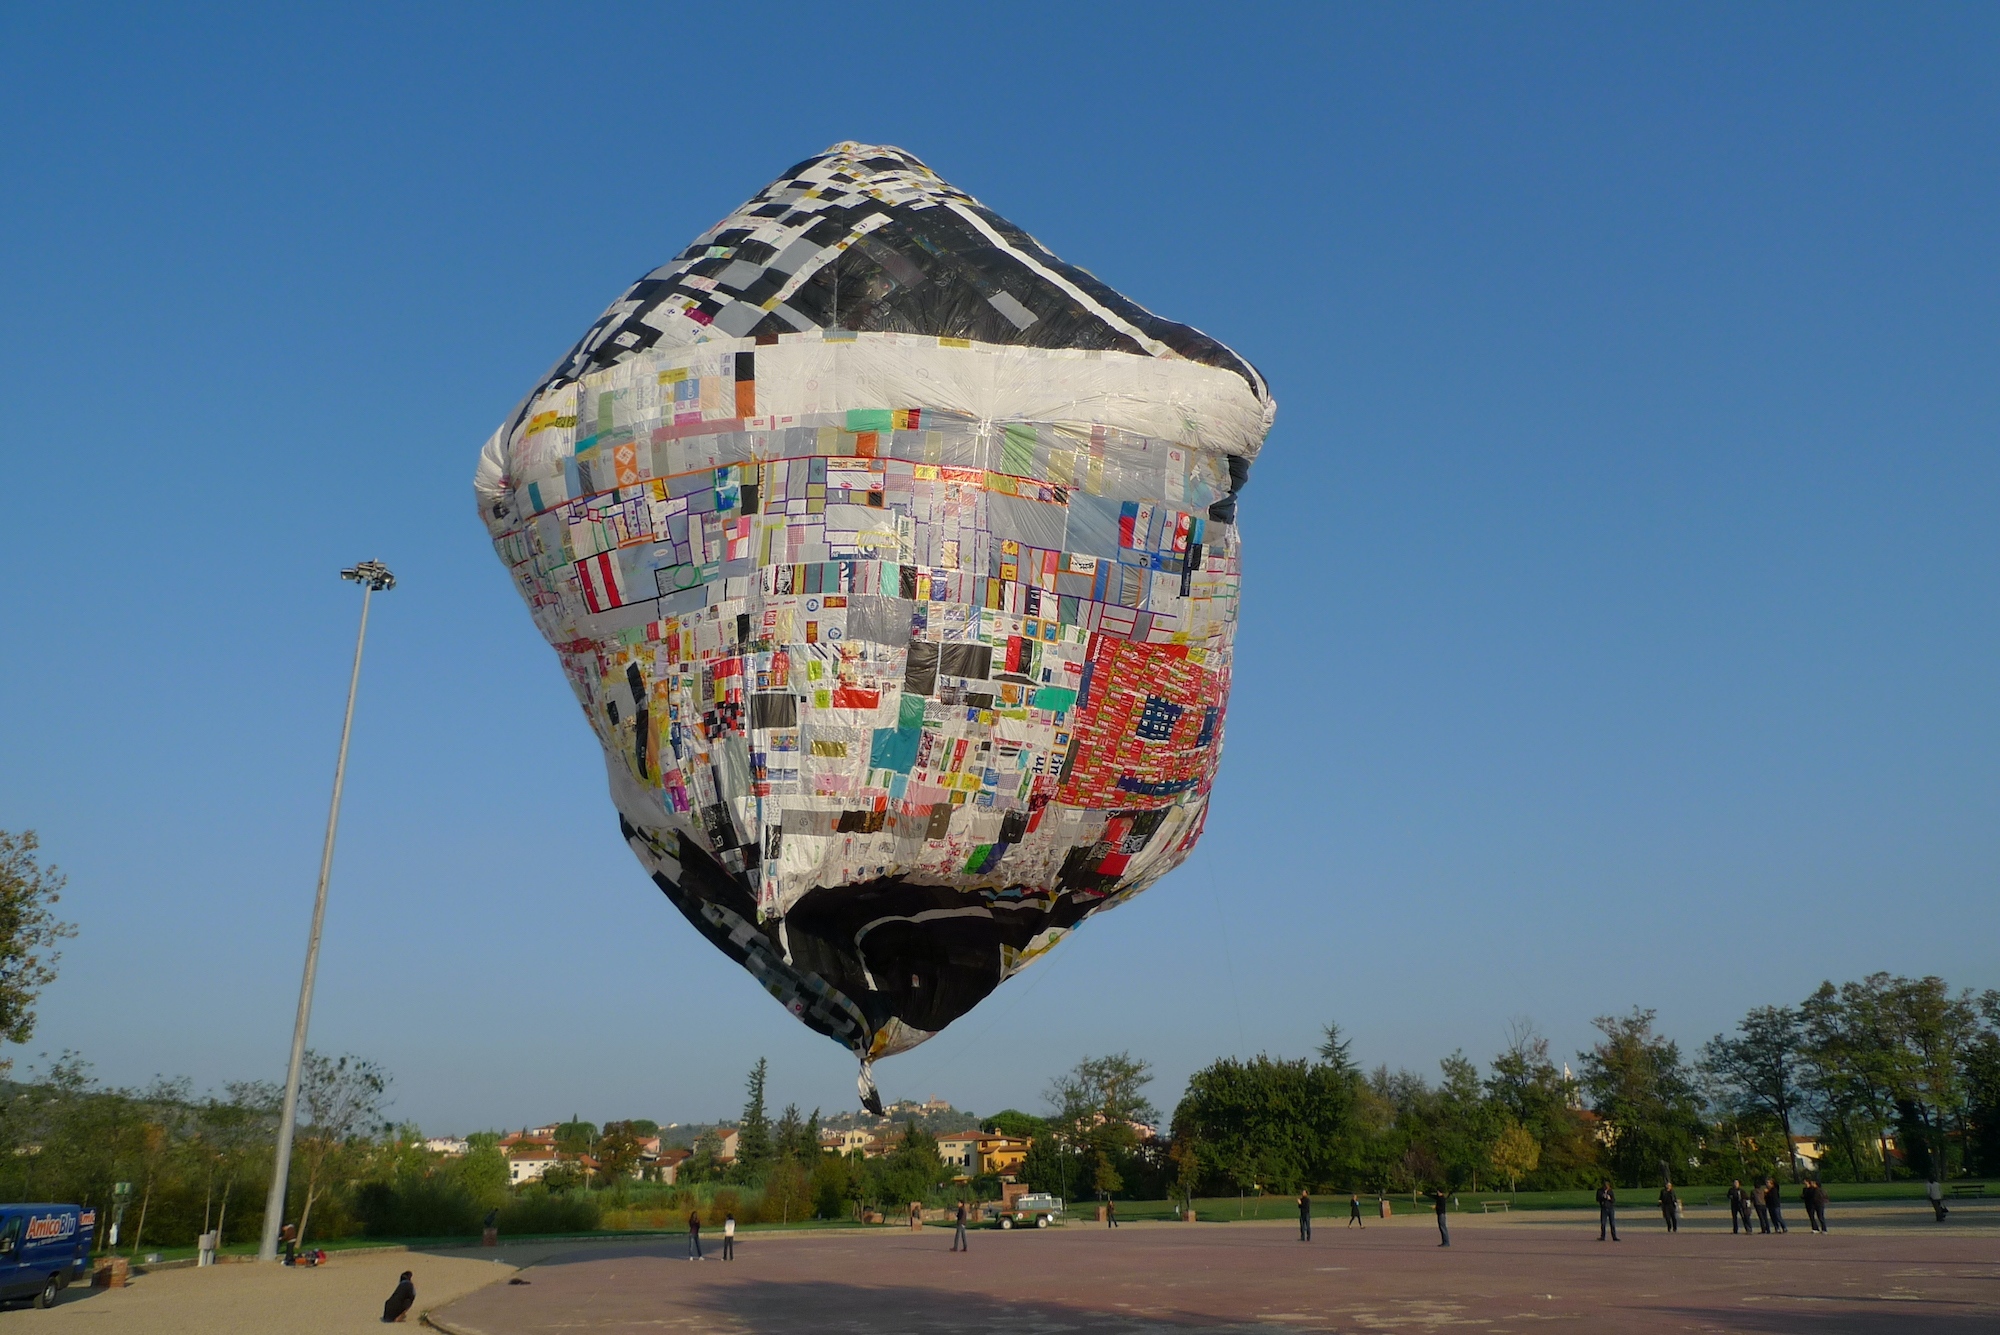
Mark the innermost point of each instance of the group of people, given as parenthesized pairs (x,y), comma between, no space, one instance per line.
(1767,1200)
(728,1236)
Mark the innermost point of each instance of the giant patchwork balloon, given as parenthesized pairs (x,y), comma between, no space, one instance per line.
(894,563)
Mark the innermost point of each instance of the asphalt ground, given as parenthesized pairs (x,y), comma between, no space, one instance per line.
(345,1295)
(1892,1273)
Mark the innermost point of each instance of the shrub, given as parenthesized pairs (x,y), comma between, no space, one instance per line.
(418,1208)
(549,1212)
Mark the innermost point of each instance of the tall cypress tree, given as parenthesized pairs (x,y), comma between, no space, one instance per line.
(753,1132)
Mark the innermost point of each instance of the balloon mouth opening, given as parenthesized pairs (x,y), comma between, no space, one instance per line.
(894,950)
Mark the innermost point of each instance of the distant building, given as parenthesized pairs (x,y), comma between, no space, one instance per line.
(670,1162)
(1002,1155)
(529,1165)
(730,1141)
(447,1145)
(961,1153)
(860,1139)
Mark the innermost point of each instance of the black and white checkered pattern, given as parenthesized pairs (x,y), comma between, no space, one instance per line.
(868,238)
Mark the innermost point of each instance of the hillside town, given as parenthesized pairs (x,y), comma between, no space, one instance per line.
(660,1150)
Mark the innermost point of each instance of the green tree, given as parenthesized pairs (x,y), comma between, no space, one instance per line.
(788,1192)
(29,931)
(482,1169)
(836,1185)
(1929,1031)
(1982,1091)
(753,1132)
(1638,1084)
(912,1170)
(575,1136)
(1465,1122)
(338,1098)
(617,1152)
(1844,1072)
(1009,1122)
(1097,1110)
(1759,1068)
(1525,1085)
(703,1163)
(1279,1124)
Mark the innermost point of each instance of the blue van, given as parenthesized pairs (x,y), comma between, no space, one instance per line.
(43,1248)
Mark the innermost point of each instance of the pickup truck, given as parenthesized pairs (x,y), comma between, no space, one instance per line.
(1037,1208)
(43,1249)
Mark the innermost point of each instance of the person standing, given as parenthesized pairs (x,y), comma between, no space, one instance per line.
(1670,1208)
(1814,1198)
(1757,1204)
(1936,1194)
(1774,1202)
(1739,1213)
(729,1236)
(958,1243)
(694,1236)
(1354,1209)
(1306,1215)
(1110,1213)
(1607,1210)
(1443,1200)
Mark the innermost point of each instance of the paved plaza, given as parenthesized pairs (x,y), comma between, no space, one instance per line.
(1501,1274)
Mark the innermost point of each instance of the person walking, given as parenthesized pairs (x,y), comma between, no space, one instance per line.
(958,1231)
(694,1236)
(1763,1212)
(1774,1202)
(1936,1194)
(1739,1212)
(1670,1208)
(729,1236)
(1354,1209)
(1443,1200)
(1607,1210)
(1306,1216)
(1110,1213)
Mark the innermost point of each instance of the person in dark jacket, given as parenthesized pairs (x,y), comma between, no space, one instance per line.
(397,1308)
(694,1236)
(1607,1211)
(1774,1202)
(1739,1208)
(1354,1209)
(958,1231)
(1305,1216)
(1670,1208)
(1813,1197)
(1757,1203)
(1443,1199)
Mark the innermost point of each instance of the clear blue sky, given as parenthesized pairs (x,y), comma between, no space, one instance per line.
(1620,602)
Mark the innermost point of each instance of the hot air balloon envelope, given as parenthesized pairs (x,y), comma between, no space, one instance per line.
(894,563)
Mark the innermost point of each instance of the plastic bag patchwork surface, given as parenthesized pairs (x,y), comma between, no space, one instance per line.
(894,564)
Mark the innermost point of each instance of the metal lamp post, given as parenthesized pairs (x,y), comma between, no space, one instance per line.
(374,578)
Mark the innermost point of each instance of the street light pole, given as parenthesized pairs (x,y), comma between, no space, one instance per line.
(374,578)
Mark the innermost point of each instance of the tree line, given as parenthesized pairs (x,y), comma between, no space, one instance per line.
(1893,1077)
